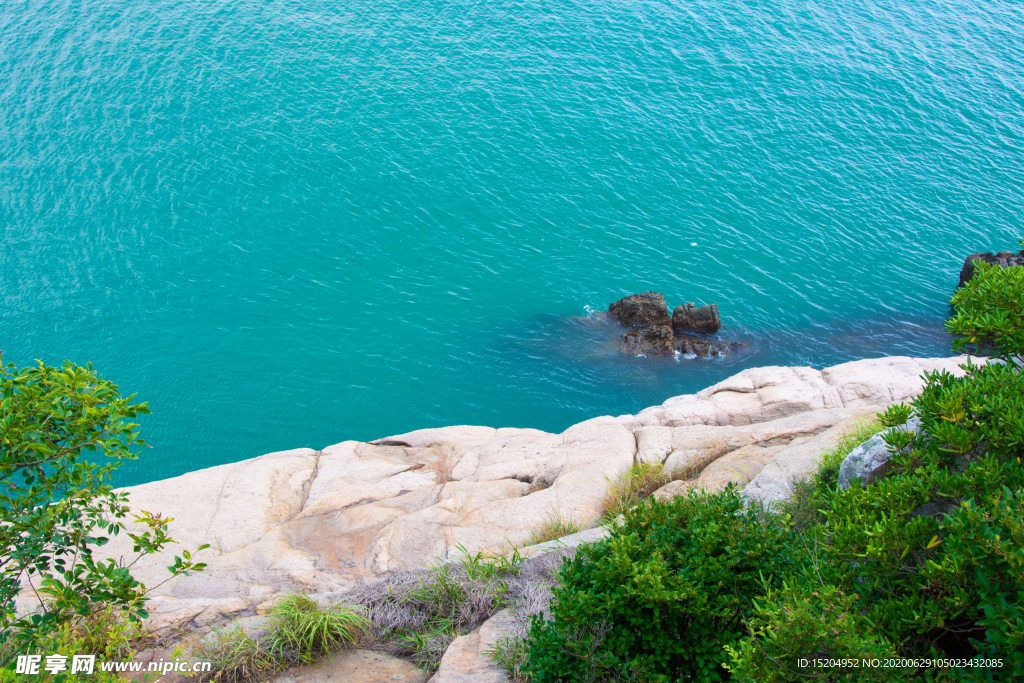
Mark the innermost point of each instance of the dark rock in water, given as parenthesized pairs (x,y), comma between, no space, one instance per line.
(657,334)
(688,344)
(705,318)
(1004,259)
(638,310)
(651,341)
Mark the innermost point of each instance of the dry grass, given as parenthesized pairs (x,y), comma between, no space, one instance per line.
(417,614)
(554,526)
(635,485)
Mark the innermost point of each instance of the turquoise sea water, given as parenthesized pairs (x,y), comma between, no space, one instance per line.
(292,223)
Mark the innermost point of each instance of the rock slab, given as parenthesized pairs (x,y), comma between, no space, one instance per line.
(355,666)
(468,659)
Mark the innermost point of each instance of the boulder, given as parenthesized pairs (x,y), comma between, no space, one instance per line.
(691,345)
(1004,259)
(774,483)
(468,659)
(870,460)
(649,341)
(704,319)
(638,310)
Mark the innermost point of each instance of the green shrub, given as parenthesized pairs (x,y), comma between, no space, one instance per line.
(989,311)
(63,431)
(800,621)
(991,536)
(900,543)
(933,549)
(106,633)
(673,583)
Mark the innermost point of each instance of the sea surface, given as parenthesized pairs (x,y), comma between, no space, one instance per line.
(291,223)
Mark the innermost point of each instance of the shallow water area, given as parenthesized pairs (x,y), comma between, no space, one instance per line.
(290,224)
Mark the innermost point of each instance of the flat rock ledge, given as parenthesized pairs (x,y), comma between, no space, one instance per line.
(324,521)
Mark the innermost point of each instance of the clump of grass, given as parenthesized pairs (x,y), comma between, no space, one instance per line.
(509,653)
(635,485)
(811,495)
(305,630)
(300,630)
(743,472)
(555,525)
(235,657)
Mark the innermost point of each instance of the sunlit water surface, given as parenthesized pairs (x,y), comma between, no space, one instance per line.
(289,224)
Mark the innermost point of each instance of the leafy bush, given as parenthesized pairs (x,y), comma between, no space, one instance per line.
(932,549)
(673,584)
(105,633)
(899,543)
(989,311)
(58,503)
(801,622)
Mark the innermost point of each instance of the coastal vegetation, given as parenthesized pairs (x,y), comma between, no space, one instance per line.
(300,629)
(925,566)
(62,432)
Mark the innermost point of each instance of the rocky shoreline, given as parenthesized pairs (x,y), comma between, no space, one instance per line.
(326,521)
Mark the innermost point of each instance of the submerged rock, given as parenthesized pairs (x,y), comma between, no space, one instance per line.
(1004,259)
(688,318)
(638,310)
(649,341)
(688,344)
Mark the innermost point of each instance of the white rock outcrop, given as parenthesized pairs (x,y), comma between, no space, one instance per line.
(323,521)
